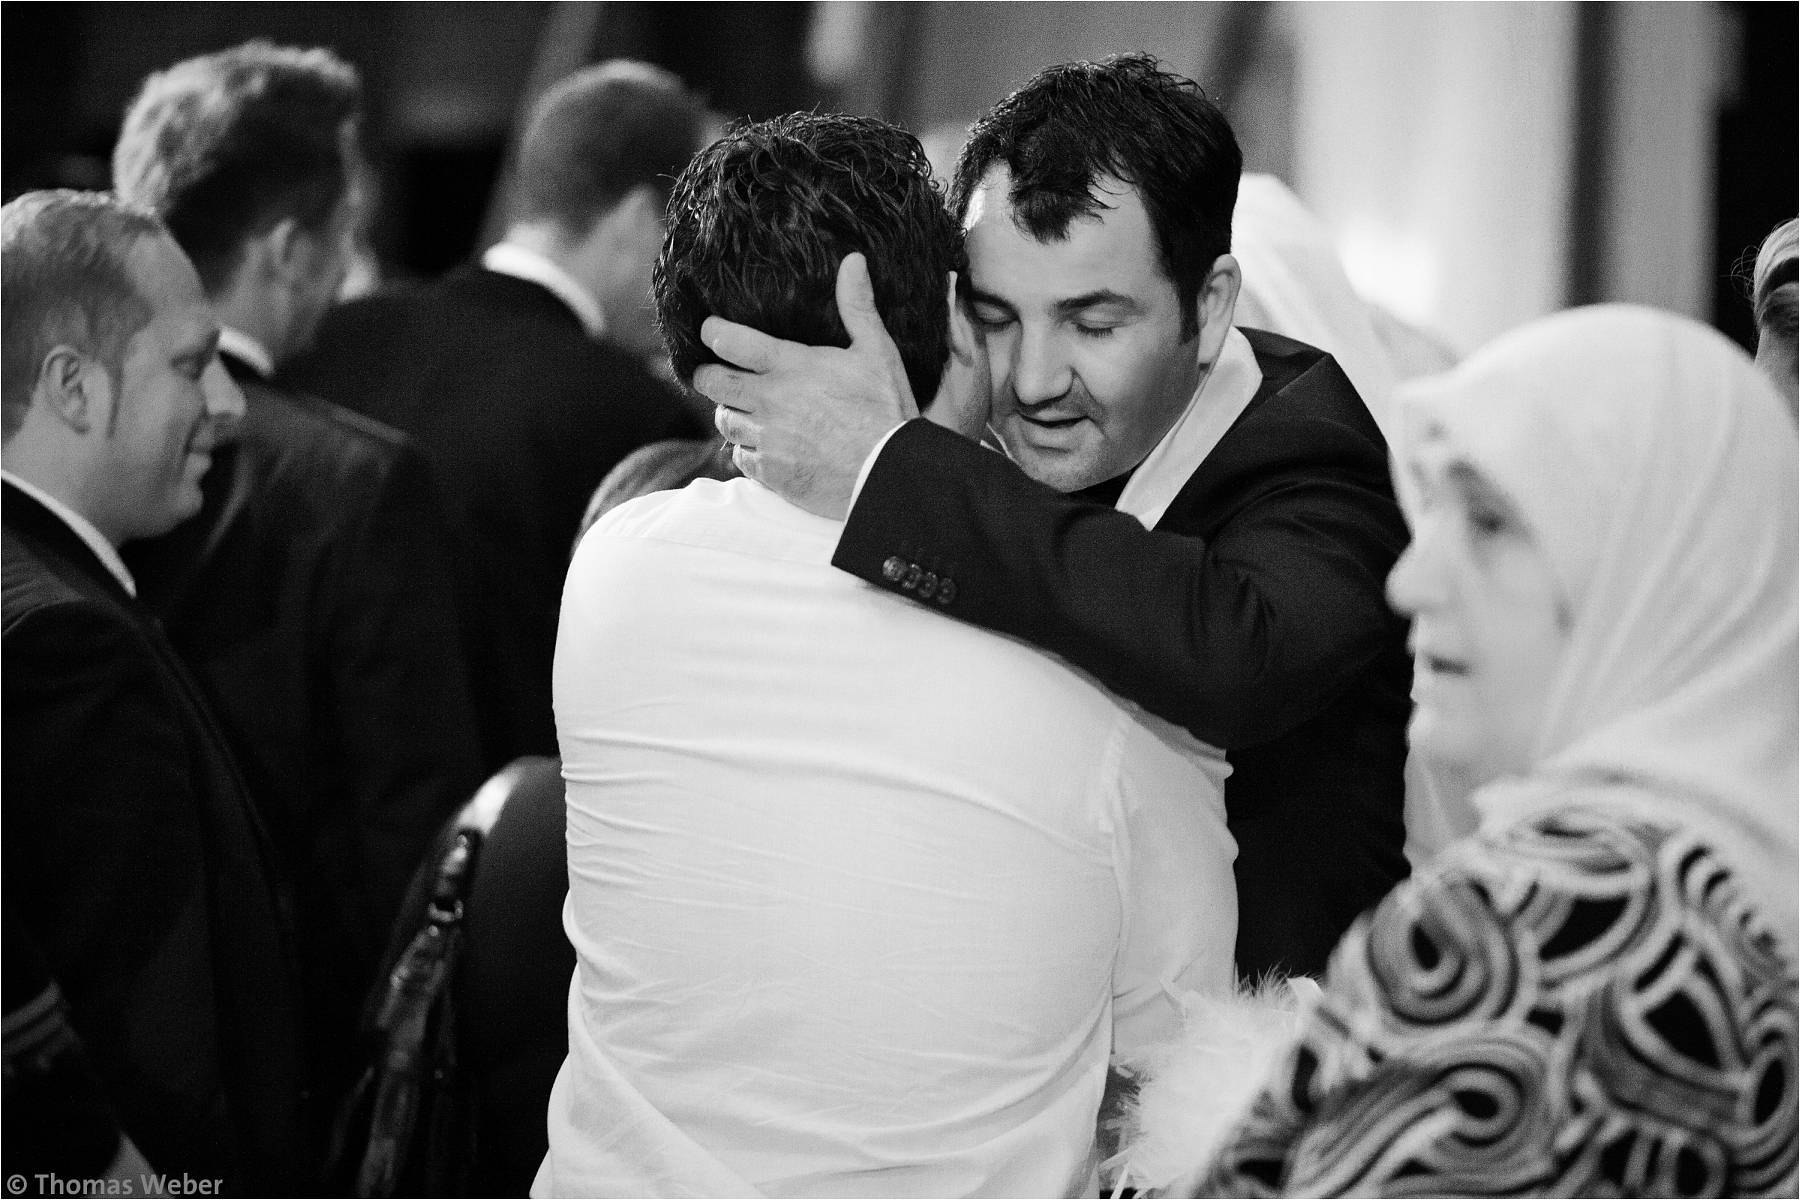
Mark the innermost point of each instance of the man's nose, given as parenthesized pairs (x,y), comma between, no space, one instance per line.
(1040,370)
(224,400)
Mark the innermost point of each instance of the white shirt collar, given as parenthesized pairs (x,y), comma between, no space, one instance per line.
(1225,390)
(521,263)
(247,350)
(84,529)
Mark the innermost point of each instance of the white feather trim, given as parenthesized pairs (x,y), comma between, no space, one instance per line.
(1192,1092)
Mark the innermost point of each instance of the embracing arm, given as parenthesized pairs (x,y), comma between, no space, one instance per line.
(1238,638)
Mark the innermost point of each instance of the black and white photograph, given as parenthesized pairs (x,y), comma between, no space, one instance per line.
(869,598)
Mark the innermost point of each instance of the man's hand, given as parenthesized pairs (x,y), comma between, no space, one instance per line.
(804,418)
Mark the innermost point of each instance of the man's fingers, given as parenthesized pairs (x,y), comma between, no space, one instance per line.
(735,427)
(739,344)
(856,308)
(746,461)
(721,385)
(856,299)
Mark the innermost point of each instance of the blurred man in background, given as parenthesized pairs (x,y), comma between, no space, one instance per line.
(135,860)
(310,594)
(522,378)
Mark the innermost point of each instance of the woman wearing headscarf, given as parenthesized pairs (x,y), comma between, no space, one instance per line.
(1775,293)
(1595,994)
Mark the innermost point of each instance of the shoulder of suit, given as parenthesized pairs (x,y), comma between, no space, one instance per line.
(296,420)
(1304,383)
(1284,360)
(36,580)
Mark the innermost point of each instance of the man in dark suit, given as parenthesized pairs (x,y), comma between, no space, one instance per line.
(134,859)
(310,595)
(521,378)
(1218,522)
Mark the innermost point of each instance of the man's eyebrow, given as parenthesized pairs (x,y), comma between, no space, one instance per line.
(977,296)
(1096,299)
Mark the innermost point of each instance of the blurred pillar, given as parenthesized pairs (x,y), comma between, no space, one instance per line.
(1436,143)
(1660,70)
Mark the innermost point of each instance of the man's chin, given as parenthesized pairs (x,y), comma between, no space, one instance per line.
(1063,470)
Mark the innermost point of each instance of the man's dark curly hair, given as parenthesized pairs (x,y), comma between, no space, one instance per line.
(1126,117)
(759,221)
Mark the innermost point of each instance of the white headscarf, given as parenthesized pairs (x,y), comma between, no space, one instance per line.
(1295,285)
(1657,468)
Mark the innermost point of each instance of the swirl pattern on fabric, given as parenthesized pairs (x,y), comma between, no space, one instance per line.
(1583,1004)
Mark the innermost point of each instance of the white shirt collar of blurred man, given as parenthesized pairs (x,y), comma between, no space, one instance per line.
(509,259)
(84,529)
(247,350)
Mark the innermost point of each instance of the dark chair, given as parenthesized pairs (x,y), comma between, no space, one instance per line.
(467,1028)
(513,990)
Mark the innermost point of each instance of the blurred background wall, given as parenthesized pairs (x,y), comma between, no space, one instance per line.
(1478,164)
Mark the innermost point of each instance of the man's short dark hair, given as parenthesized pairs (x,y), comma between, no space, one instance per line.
(66,279)
(601,133)
(760,220)
(1076,123)
(226,145)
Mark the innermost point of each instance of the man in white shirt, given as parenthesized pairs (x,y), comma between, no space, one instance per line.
(863,901)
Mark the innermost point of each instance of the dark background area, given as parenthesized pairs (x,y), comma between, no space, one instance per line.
(445,85)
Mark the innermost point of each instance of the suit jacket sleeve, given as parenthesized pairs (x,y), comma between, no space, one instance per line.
(1239,637)
(103,846)
(405,722)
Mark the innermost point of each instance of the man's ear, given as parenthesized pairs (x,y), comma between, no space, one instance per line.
(965,343)
(1216,305)
(285,249)
(962,397)
(74,388)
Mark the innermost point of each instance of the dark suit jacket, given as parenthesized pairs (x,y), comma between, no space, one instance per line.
(520,416)
(137,864)
(1253,616)
(310,598)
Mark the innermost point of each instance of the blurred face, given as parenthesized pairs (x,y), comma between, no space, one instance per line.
(1490,620)
(171,405)
(1083,337)
(1776,354)
(329,254)
(624,288)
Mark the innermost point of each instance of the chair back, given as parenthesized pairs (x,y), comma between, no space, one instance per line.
(416,1122)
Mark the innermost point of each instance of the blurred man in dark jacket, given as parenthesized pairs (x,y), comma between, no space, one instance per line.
(522,378)
(309,595)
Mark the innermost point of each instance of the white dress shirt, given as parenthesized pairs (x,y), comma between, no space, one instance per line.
(863,898)
(247,350)
(84,529)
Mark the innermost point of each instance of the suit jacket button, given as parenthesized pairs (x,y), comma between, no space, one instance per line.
(927,585)
(946,590)
(913,573)
(893,568)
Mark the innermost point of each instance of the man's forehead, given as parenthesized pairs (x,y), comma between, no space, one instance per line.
(1110,249)
(167,282)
